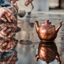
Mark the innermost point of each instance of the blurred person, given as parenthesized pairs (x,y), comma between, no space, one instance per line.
(4,3)
(27,2)
(12,59)
(47,33)
(7,15)
(14,4)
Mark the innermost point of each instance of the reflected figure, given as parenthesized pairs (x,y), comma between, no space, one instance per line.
(47,51)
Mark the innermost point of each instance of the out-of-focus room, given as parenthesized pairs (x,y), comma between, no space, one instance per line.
(28,41)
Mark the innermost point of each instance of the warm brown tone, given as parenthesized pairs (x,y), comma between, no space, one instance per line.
(47,51)
(47,31)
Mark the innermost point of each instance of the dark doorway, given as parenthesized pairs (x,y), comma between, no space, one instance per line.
(60,5)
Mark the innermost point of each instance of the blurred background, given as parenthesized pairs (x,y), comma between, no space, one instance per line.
(52,10)
(44,5)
